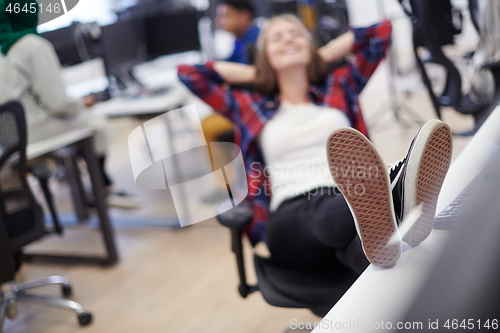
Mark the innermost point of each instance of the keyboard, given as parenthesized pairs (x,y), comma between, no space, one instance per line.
(444,220)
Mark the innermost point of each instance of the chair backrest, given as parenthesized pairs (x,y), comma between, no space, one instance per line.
(438,17)
(429,33)
(332,20)
(432,37)
(21,214)
(13,135)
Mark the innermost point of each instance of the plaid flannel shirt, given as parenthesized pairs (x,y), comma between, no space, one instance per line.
(250,111)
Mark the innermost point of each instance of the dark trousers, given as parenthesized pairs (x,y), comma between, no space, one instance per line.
(315,231)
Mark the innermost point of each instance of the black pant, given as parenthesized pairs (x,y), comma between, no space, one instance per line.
(315,231)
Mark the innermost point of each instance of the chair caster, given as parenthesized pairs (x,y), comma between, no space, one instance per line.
(84,319)
(67,291)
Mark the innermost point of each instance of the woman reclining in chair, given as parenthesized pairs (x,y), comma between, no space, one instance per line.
(332,199)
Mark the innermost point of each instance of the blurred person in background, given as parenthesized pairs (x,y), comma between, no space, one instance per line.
(30,73)
(236,17)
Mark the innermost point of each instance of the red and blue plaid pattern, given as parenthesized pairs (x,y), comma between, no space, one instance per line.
(250,111)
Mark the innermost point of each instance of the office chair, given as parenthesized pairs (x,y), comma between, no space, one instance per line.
(432,33)
(22,222)
(284,286)
(473,10)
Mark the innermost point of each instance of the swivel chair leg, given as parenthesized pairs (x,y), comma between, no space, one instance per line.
(64,282)
(18,294)
(52,301)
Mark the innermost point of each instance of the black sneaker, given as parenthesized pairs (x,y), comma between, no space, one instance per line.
(396,176)
(417,179)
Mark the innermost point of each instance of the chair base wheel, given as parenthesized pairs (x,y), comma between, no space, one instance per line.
(84,319)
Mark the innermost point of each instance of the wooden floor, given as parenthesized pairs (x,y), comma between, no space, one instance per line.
(185,280)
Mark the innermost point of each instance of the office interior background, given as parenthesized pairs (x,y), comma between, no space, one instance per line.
(169,278)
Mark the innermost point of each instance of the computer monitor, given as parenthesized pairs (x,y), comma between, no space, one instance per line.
(121,47)
(171,33)
(64,44)
(143,9)
(283,7)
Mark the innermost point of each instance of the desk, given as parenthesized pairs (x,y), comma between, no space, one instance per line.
(90,76)
(83,139)
(386,294)
(40,148)
(126,107)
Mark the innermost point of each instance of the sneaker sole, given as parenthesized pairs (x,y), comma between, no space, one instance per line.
(428,163)
(351,155)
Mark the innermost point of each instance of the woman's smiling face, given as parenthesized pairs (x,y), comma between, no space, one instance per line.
(287,46)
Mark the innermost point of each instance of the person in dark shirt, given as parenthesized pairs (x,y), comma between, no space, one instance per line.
(236,17)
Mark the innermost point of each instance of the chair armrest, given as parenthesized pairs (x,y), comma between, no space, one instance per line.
(237,217)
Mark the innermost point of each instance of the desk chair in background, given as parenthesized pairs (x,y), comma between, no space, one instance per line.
(22,222)
(433,28)
(283,286)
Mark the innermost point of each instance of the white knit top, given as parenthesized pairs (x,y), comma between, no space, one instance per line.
(294,146)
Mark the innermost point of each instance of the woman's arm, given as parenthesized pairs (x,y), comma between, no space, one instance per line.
(373,40)
(210,83)
(337,48)
(370,45)
(234,73)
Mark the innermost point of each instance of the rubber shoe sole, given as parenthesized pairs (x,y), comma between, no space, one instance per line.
(428,163)
(361,176)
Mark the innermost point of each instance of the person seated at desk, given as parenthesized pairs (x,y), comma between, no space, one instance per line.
(31,73)
(282,129)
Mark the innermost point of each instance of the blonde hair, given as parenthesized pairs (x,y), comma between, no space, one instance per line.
(265,79)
